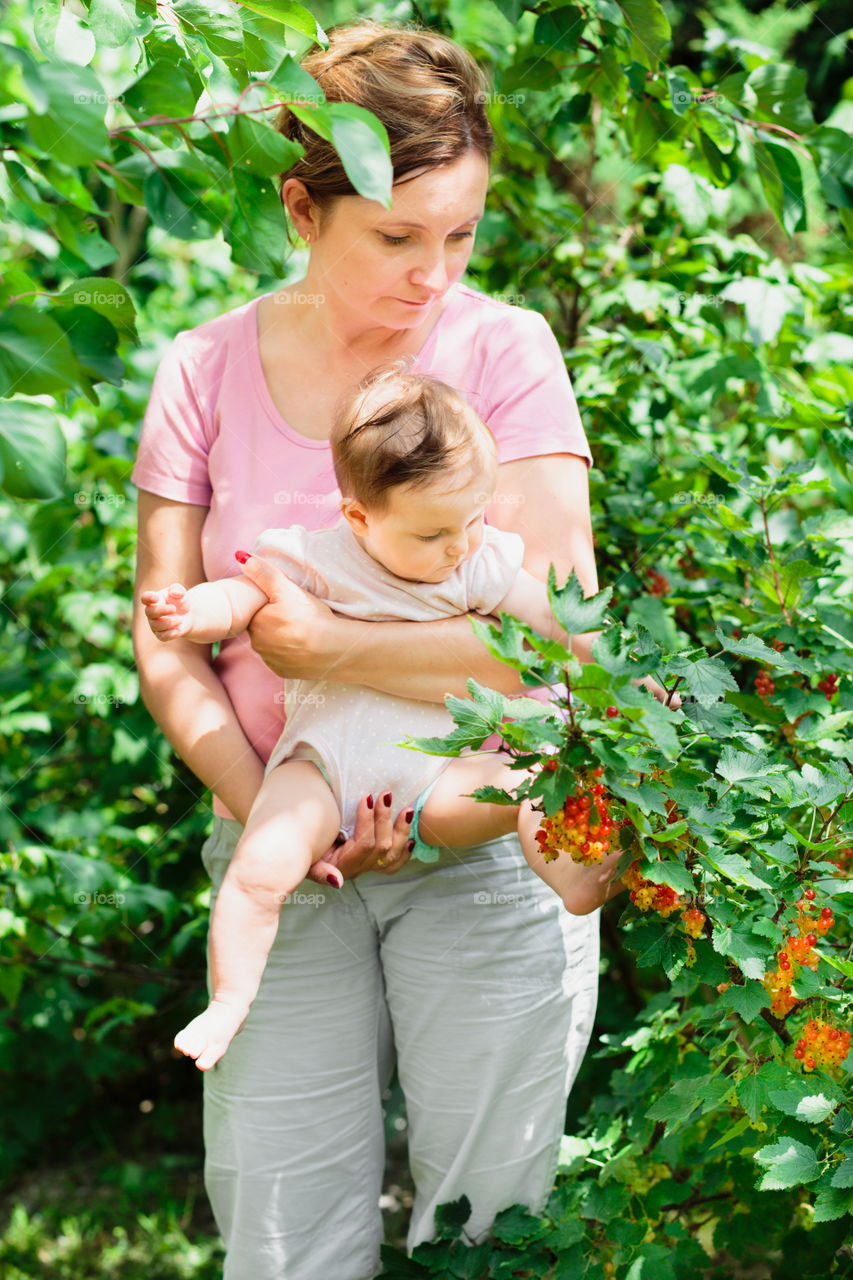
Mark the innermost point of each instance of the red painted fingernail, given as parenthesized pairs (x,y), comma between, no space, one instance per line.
(410,846)
(386,799)
(242,556)
(370,802)
(410,813)
(334,881)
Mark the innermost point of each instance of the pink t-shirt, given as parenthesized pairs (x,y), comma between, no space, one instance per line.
(213,437)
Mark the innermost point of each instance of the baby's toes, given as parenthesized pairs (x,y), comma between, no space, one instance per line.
(211,1055)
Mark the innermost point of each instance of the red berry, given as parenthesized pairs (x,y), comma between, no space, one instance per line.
(809,893)
(811,939)
(612,713)
(826,913)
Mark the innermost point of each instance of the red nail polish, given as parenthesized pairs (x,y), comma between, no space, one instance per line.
(242,556)
(410,813)
(386,799)
(370,802)
(334,881)
(410,846)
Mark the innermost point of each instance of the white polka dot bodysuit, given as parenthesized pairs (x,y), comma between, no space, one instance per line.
(353,734)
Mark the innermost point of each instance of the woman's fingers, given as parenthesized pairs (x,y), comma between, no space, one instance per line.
(378,843)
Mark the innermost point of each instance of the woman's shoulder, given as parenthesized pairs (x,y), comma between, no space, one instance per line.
(210,342)
(485,311)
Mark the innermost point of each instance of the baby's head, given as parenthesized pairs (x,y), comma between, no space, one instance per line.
(416,469)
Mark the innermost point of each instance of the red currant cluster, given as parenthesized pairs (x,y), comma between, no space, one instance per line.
(764,686)
(575,828)
(658,584)
(649,896)
(797,951)
(688,566)
(822,1045)
(829,686)
(694,922)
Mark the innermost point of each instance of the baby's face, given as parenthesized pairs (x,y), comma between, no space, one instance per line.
(425,533)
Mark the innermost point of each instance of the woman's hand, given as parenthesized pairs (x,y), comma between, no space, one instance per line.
(289,632)
(662,695)
(377,844)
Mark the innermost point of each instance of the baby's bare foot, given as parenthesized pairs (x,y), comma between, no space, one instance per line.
(208,1036)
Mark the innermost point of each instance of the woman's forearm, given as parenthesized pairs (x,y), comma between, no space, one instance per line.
(189,703)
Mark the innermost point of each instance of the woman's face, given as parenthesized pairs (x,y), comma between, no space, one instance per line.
(388,267)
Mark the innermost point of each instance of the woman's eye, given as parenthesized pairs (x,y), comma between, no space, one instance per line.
(394,239)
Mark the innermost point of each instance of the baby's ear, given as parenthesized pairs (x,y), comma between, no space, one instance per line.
(355,513)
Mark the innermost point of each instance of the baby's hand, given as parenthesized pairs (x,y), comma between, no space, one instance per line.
(168,611)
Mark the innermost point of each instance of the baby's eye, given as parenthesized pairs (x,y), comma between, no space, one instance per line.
(428,537)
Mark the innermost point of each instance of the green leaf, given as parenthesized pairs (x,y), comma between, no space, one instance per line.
(707,679)
(690,197)
(747,1000)
(168,88)
(173,200)
(742,768)
(113,22)
(833,152)
(35,354)
(259,147)
(517,1225)
(217,21)
(788,1163)
(781,92)
(782,181)
(843,1173)
(106,296)
(72,128)
(752,647)
(451,1218)
(650,29)
(290,15)
(831,1203)
(575,614)
(767,304)
(361,142)
(293,84)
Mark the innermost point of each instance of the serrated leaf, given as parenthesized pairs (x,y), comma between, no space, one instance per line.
(576,614)
(843,1174)
(788,1163)
(812,1108)
(832,1203)
(753,647)
(707,679)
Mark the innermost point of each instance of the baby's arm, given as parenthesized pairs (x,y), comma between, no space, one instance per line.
(204,613)
(527,600)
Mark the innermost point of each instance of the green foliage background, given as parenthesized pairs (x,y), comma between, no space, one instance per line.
(673,189)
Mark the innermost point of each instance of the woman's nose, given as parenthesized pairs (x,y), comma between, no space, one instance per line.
(432,275)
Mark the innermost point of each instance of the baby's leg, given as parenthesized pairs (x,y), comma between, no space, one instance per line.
(292,823)
(450,820)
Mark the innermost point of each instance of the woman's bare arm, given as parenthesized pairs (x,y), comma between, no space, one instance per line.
(177,683)
(297,636)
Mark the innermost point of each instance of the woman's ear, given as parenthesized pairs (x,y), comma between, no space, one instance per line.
(356,516)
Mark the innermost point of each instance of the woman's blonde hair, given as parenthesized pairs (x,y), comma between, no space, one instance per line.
(427,90)
(400,428)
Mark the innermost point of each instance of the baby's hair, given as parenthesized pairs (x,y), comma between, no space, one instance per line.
(401,428)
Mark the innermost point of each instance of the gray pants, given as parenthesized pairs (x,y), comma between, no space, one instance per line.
(470,975)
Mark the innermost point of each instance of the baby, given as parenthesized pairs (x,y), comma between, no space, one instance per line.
(417,469)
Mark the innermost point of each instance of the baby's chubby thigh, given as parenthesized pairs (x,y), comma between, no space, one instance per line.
(293,822)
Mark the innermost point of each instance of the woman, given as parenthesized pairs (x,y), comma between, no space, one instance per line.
(467,973)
